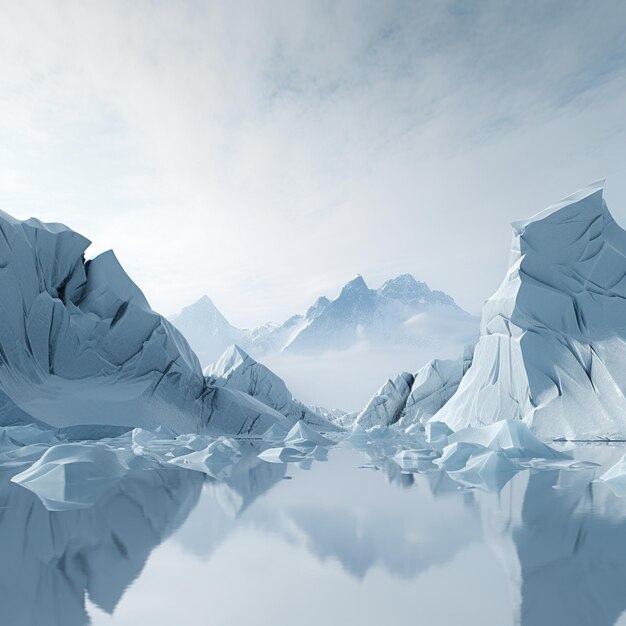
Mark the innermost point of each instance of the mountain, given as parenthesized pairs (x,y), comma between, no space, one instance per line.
(388,315)
(402,311)
(206,329)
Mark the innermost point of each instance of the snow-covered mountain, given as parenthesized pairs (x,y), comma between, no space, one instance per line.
(206,329)
(394,313)
(402,311)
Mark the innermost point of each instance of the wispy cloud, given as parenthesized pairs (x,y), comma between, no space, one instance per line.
(265,152)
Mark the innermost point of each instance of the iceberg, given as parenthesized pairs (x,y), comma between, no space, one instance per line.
(385,408)
(303,436)
(552,347)
(73,476)
(80,347)
(434,385)
(238,371)
(408,402)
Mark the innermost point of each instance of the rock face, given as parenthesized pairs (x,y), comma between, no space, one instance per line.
(237,371)
(81,347)
(552,350)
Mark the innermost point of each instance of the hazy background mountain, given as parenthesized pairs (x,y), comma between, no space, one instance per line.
(340,350)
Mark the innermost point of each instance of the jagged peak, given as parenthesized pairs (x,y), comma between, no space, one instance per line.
(356,284)
(403,283)
(204,301)
(320,304)
(204,307)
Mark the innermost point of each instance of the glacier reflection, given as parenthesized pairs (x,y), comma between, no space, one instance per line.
(549,546)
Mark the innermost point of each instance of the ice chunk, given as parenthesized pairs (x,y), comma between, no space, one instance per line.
(282,455)
(303,436)
(615,478)
(437,434)
(502,448)
(216,460)
(511,436)
(73,476)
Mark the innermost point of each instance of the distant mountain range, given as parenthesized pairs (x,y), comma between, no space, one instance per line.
(402,311)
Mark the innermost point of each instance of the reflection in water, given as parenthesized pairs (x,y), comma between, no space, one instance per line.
(559,537)
(50,559)
(564,542)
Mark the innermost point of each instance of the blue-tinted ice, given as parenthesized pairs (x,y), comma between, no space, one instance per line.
(371,527)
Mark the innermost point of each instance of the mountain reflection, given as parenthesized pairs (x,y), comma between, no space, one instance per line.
(559,537)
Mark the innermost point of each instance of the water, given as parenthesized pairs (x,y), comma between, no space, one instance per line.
(340,543)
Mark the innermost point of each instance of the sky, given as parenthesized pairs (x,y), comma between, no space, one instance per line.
(265,152)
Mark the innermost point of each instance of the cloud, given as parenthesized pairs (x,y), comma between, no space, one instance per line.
(263,153)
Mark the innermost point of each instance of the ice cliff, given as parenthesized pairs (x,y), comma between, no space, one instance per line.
(552,349)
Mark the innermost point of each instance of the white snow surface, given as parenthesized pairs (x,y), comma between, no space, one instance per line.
(552,349)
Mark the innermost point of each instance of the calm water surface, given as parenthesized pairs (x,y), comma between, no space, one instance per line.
(342,542)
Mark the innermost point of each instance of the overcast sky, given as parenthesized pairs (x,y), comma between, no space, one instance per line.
(265,152)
